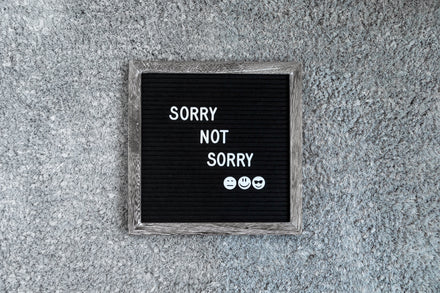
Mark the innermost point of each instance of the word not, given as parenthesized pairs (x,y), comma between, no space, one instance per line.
(229,159)
(192,113)
(213,135)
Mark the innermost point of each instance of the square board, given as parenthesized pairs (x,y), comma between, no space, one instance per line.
(214,147)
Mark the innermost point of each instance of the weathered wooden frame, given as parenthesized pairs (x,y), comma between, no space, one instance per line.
(135,225)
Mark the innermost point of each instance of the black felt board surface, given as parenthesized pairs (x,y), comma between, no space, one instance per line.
(177,185)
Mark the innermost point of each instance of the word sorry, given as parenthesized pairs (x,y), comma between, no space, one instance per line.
(230,159)
(213,136)
(192,113)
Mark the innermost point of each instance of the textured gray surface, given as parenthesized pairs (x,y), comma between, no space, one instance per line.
(371,152)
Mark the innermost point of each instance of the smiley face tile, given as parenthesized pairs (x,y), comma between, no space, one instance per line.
(258,182)
(229,183)
(244,182)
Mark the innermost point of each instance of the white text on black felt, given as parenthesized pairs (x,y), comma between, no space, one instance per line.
(211,136)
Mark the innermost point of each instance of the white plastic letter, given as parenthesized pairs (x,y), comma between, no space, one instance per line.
(204,136)
(204,114)
(231,160)
(194,113)
(221,156)
(173,110)
(240,160)
(249,158)
(184,113)
(224,131)
(212,112)
(215,136)
(211,156)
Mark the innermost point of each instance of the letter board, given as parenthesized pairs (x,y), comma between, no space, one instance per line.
(214,148)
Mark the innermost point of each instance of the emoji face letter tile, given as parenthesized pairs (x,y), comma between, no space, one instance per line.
(229,182)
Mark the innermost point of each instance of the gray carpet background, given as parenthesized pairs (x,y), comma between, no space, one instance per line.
(371,152)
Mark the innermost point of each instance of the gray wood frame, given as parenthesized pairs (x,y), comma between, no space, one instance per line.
(135,226)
